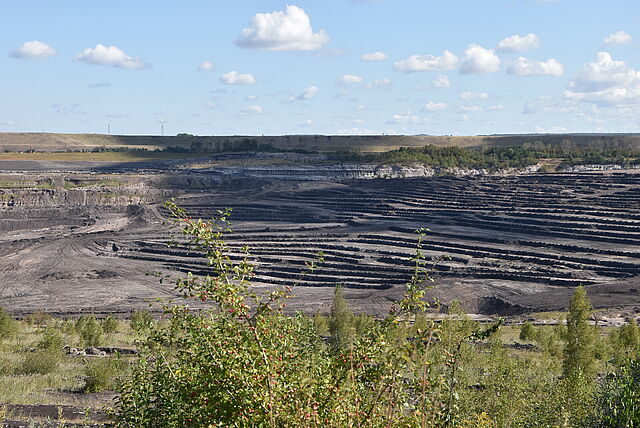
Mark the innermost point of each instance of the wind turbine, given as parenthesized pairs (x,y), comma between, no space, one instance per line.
(162,122)
(108,127)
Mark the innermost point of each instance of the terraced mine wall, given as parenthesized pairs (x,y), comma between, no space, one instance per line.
(500,244)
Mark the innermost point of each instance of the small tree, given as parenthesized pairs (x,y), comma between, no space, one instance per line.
(89,330)
(340,320)
(579,358)
(109,325)
(579,351)
(527,332)
(141,321)
(8,326)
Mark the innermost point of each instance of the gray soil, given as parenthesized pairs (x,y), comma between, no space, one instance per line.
(512,245)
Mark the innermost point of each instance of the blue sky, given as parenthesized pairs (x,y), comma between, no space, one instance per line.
(458,67)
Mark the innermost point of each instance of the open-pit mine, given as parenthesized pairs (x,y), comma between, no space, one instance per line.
(91,237)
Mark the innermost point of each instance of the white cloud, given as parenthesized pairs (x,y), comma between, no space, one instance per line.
(383,83)
(250,98)
(361,107)
(478,109)
(448,61)
(288,30)
(110,55)
(7,123)
(406,118)
(605,82)
(518,43)
(206,66)
(308,94)
(431,107)
(33,50)
(468,95)
(349,79)
(375,56)
(478,60)
(441,82)
(253,109)
(527,67)
(100,84)
(235,78)
(618,38)
(307,123)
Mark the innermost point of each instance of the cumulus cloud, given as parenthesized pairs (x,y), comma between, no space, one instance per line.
(605,82)
(349,79)
(441,82)
(448,61)
(431,107)
(618,38)
(250,98)
(308,94)
(288,30)
(478,60)
(384,83)
(235,78)
(406,118)
(527,67)
(517,43)
(206,66)
(375,56)
(111,56)
(468,95)
(253,109)
(33,50)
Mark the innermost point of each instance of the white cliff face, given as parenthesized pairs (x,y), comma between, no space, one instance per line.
(356,172)
(581,168)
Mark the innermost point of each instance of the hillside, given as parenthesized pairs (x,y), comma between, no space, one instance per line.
(44,142)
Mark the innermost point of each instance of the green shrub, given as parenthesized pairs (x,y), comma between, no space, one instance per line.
(109,325)
(51,339)
(141,321)
(618,401)
(321,324)
(527,332)
(43,361)
(89,330)
(8,325)
(102,373)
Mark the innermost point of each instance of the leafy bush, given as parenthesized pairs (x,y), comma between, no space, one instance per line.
(618,402)
(141,321)
(527,332)
(89,330)
(8,325)
(102,373)
(109,325)
(51,340)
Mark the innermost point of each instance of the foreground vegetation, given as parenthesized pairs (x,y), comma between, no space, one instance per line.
(245,362)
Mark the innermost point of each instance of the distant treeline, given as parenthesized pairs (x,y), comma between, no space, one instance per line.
(496,157)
